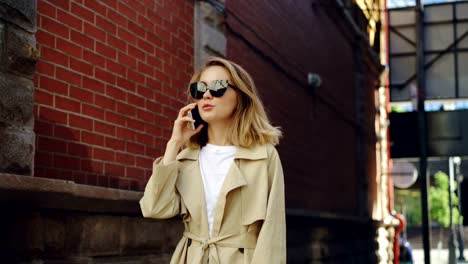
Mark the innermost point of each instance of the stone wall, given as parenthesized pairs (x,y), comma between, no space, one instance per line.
(18,57)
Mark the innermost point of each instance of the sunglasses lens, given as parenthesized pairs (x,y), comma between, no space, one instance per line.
(217,89)
(197,90)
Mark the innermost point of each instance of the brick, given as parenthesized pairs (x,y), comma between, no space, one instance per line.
(136,173)
(106,25)
(69,48)
(144,45)
(104,76)
(44,159)
(106,51)
(92,111)
(103,181)
(55,27)
(116,68)
(145,22)
(52,55)
(153,106)
(135,148)
(114,169)
(110,3)
(124,157)
(162,33)
(152,85)
(64,103)
(115,118)
(135,100)
(129,37)
(94,58)
(127,60)
(126,84)
(154,40)
(144,162)
(116,43)
(124,133)
(44,8)
(116,93)
(94,32)
(136,53)
(51,145)
(41,97)
(96,7)
(53,115)
(93,85)
(67,133)
(144,68)
(104,102)
(104,128)
(115,144)
(66,162)
(44,38)
(92,138)
(80,122)
(65,5)
(145,139)
(82,12)
(126,109)
(43,128)
(82,40)
(45,68)
(78,149)
(81,67)
(145,115)
(81,94)
(135,124)
(118,19)
(151,129)
(103,154)
(69,20)
(135,76)
(68,76)
(126,11)
(92,166)
(152,152)
(79,177)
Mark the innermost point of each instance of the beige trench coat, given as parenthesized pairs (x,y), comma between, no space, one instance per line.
(249,219)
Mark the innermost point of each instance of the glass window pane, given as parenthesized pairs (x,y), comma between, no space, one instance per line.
(463,74)
(440,78)
(438,13)
(462,28)
(398,44)
(439,37)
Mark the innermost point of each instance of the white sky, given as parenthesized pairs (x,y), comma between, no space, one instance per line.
(404,3)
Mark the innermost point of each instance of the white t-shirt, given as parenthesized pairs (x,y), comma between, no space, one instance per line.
(215,162)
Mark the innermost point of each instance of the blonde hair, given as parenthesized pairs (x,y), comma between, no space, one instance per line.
(250,124)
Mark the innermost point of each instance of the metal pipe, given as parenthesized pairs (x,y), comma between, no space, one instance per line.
(451,242)
(422,127)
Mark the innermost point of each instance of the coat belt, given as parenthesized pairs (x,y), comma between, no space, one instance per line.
(243,240)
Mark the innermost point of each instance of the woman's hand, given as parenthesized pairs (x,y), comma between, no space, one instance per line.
(181,132)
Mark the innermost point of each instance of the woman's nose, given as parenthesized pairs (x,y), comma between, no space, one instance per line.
(207,94)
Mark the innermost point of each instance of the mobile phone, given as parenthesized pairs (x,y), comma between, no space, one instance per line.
(195,115)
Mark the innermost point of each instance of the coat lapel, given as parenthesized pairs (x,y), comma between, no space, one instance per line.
(190,186)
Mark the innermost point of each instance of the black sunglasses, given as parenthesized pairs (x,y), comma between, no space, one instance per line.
(217,88)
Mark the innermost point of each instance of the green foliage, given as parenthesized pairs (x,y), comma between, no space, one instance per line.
(409,202)
(439,200)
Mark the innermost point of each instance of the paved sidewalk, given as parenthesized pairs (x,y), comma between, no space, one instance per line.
(438,256)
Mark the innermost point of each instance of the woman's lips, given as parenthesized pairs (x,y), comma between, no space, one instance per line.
(207,107)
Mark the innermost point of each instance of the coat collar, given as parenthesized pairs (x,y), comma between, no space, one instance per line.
(253,153)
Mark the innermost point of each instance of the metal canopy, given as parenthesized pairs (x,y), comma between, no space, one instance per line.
(445,51)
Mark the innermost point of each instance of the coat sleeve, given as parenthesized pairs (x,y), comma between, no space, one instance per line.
(161,199)
(271,242)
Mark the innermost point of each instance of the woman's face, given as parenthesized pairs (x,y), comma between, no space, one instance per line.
(217,109)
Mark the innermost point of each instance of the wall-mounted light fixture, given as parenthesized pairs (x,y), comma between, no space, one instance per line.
(313,81)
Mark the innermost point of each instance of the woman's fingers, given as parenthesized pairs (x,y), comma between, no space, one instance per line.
(183,111)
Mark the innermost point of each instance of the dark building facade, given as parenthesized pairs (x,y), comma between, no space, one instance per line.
(109,81)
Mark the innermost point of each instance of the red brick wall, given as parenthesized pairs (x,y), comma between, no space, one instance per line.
(110,80)
(279,45)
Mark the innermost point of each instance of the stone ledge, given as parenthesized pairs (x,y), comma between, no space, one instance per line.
(60,194)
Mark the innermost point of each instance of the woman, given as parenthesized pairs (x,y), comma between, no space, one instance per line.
(228,184)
